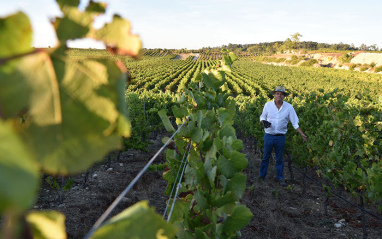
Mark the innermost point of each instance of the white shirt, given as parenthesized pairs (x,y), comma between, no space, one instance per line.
(279,118)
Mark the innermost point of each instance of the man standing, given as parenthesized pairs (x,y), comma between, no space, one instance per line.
(275,117)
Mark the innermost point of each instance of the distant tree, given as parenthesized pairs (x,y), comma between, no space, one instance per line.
(363,47)
(288,44)
(373,47)
(255,49)
(296,37)
(276,47)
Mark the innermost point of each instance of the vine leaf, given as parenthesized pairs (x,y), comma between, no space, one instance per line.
(47,224)
(236,184)
(18,172)
(229,197)
(125,225)
(238,219)
(90,105)
(167,124)
(74,24)
(15,35)
(179,112)
(227,131)
(118,38)
(181,209)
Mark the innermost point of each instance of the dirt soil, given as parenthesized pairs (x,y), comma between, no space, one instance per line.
(279,212)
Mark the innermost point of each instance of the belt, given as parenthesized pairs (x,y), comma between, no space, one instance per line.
(278,134)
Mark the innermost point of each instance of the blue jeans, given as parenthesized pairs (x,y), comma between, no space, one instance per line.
(278,142)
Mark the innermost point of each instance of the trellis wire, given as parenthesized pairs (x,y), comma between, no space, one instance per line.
(98,223)
(178,186)
(176,179)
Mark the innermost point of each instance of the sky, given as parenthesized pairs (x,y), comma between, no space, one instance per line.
(193,24)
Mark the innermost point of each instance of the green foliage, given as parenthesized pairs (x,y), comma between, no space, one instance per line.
(350,152)
(378,69)
(309,62)
(59,115)
(158,167)
(214,171)
(352,66)
(346,58)
(294,62)
(364,67)
(372,64)
(52,181)
(279,60)
(138,221)
(18,169)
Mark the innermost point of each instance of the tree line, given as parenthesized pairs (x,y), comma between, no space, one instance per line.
(292,43)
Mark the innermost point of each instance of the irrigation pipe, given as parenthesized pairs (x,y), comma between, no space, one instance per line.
(176,179)
(179,186)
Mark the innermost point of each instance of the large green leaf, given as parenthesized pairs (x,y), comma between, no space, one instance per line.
(117,35)
(211,153)
(166,122)
(210,171)
(15,35)
(227,131)
(182,232)
(196,135)
(229,197)
(232,56)
(213,79)
(19,173)
(179,112)
(47,224)
(180,210)
(80,121)
(14,88)
(239,218)
(74,24)
(237,144)
(224,117)
(137,222)
(237,184)
(201,200)
(230,166)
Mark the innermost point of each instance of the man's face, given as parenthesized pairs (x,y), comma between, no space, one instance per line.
(279,96)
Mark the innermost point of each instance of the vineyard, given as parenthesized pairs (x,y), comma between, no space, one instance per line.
(340,111)
(62,110)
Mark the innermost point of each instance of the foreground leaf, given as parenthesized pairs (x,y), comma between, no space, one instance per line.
(15,35)
(47,224)
(138,222)
(82,118)
(239,218)
(18,172)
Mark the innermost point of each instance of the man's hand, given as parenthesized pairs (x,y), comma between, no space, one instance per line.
(266,124)
(304,137)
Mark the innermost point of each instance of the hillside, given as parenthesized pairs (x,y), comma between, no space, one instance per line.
(332,60)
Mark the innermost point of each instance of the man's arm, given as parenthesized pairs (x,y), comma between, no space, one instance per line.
(264,114)
(294,120)
(304,137)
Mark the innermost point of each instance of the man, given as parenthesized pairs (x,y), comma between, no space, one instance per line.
(275,117)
